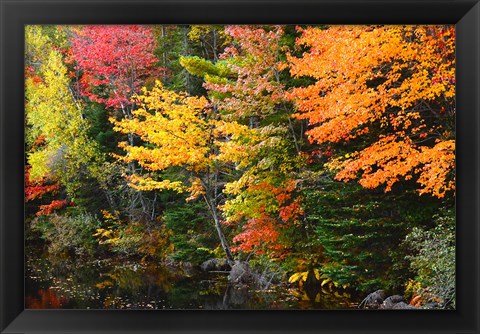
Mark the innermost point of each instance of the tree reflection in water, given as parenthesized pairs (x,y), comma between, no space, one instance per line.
(54,282)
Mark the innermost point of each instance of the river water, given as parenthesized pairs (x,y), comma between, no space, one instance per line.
(69,283)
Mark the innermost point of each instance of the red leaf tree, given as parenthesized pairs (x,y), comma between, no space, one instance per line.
(116,58)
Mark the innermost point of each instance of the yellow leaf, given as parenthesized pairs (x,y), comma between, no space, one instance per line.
(295,277)
(325,281)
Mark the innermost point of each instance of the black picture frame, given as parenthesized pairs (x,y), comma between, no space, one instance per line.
(16,13)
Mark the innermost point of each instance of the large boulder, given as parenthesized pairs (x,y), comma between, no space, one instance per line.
(373,300)
(215,265)
(389,302)
(241,273)
(378,300)
(432,306)
(188,269)
(403,306)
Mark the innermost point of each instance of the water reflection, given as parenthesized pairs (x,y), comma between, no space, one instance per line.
(56,282)
(45,299)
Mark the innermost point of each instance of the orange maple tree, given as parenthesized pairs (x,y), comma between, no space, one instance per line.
(391,86)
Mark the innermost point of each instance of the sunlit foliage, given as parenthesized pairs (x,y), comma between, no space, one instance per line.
(393,86)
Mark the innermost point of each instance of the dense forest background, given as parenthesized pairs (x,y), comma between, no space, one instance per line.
(318,155)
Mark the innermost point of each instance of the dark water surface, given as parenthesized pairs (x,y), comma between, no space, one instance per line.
(67,283)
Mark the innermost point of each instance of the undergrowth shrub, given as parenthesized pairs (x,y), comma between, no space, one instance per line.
(434,261)
(65,233)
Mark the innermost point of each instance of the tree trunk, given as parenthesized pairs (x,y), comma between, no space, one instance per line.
(164,53)
(186,53)
(223,241)
(222,238)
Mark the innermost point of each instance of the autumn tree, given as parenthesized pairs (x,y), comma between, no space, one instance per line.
(116,58)
(59,148)
(392,87)
(183,134)
(244,86)
(112,63)
(243,83)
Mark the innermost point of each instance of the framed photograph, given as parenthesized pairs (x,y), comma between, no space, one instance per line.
(240,166)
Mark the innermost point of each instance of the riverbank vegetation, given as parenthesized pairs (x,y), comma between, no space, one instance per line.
(303,155)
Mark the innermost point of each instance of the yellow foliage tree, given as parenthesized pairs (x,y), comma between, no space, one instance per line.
(56,128)
(182,132)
